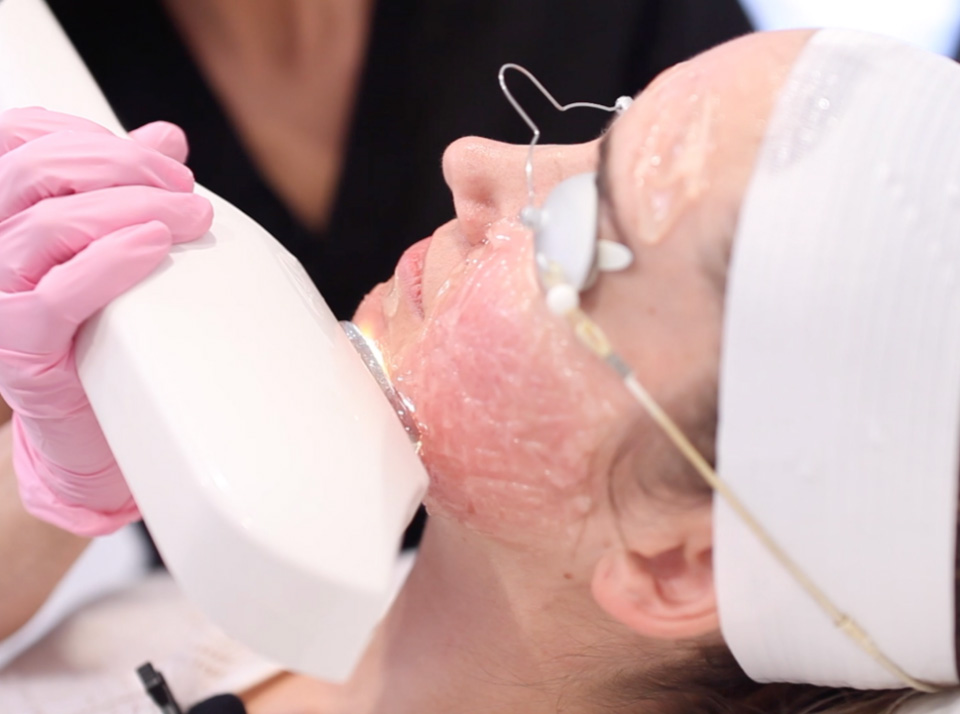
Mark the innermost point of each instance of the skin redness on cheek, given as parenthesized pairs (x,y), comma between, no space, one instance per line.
(506,400)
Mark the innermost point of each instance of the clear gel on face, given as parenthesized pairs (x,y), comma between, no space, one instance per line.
(508,403)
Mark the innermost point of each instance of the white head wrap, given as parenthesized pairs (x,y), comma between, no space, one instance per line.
(840,374)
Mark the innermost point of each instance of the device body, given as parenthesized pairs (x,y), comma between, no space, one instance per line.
(271,470)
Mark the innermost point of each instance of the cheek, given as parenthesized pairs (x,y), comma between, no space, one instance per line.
(509,405)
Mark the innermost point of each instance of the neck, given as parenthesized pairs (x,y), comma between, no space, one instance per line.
(470,633)
(286,73)
(285,33)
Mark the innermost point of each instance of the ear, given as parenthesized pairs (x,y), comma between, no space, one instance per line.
(662,587)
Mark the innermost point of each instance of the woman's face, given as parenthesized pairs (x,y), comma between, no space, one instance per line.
(521,425)
(511,410)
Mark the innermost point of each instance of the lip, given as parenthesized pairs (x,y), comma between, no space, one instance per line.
(409,274)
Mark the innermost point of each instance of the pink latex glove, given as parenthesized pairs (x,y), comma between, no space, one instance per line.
(84,215)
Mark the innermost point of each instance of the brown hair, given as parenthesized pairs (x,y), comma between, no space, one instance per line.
(711,682)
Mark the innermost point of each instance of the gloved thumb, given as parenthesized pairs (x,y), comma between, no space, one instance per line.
(164,137)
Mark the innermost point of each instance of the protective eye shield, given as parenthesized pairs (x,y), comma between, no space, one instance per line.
(569,251)
(568,247)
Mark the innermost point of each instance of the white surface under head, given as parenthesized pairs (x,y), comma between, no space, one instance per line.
(931,24)
(840,374)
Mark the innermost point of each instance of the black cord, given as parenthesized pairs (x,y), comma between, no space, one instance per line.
(158,690)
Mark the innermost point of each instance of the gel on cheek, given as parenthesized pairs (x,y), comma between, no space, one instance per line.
(503,396)
(391,301)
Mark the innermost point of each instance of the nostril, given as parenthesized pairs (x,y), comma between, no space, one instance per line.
(474,217)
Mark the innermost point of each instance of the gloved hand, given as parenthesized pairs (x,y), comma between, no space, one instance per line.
(84,215)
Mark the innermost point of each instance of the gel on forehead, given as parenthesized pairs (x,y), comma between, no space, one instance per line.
(840,372)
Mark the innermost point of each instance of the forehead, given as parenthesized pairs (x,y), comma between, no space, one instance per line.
(692,135)
(678,164)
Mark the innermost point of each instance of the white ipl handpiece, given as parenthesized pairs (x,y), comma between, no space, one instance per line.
(270,468)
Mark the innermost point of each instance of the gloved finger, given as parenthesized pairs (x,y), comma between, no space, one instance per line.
(65,163)
(54,230)
(106,269)
(44,320)
(18,126)
(164,137)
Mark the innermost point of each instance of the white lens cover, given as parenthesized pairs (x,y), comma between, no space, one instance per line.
(567,231)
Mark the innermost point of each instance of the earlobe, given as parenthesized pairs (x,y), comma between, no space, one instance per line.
(669,595)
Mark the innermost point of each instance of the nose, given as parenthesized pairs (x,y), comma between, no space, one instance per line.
(488,181)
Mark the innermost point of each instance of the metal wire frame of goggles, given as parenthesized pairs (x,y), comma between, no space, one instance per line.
(569,255)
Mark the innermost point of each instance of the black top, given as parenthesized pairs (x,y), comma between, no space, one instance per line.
(430,77)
